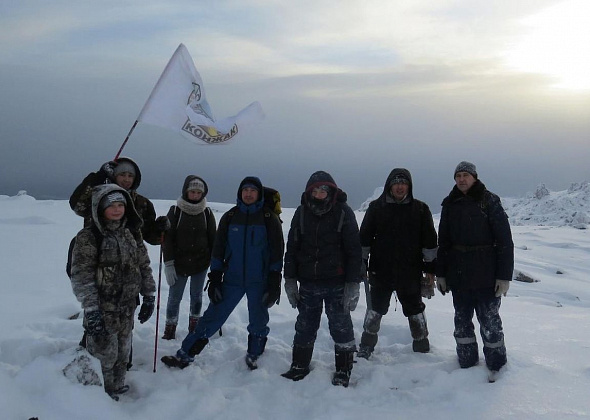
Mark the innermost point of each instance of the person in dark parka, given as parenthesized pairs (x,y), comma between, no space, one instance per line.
(247,259)
(187,251)
(398,235)
(324,256)
(475,262)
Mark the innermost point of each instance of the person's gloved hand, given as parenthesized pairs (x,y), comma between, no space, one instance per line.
(441,285)
(273,292)
(147,309)
(214,286)
(170,272)
(162,223)
(351,295)
(427,286)
(292,290)
(502,287)
(95,323)
(108,170)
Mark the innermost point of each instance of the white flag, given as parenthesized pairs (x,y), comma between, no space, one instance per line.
(178,102)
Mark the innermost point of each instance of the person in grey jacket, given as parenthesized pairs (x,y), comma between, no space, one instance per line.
(109,271)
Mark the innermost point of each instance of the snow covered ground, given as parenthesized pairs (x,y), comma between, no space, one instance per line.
(546,322)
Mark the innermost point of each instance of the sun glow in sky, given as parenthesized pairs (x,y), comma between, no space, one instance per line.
(557,45)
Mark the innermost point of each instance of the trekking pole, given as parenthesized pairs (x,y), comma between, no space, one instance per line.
(158,302)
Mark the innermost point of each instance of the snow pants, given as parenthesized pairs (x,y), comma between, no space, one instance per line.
(487,309)
(197,281)
(381,298)
(310,307)
(216,315)
(113,348)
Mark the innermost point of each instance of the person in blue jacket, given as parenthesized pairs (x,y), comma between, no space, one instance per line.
(247,259)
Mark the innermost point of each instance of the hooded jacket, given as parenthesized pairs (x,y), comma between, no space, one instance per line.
(81,199)
(189,241)
(475,245)
(323,242)
(401,237)
(246,246)
(111,277)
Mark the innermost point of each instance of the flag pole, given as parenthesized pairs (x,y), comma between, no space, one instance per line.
(126,138)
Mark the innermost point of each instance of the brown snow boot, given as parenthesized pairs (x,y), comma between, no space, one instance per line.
(169,332)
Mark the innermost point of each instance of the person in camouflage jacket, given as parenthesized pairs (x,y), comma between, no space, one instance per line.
(108,274)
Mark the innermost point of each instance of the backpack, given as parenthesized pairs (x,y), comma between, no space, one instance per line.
(97,236)
(272,201)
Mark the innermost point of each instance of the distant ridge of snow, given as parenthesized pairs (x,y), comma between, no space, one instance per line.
(570,207)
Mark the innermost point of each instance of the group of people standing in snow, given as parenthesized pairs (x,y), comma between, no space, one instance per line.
(327,257)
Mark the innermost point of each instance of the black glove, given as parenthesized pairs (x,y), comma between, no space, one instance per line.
(214,284)
(162,223)
(273,291)
(108,169)
(147,309)
(95,323)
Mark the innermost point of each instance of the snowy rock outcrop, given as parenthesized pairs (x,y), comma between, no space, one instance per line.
(378,191)
(570,207)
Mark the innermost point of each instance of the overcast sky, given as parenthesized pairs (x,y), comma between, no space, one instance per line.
(355,88)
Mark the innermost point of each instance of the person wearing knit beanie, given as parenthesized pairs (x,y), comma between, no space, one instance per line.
(468,167)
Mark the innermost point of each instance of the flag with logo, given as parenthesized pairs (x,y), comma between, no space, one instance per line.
(178,102)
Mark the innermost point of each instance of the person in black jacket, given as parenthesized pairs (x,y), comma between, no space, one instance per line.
(398,235)
(324,256)
(475,261)
(187,251)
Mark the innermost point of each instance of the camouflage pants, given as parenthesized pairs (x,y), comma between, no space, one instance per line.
(113,348)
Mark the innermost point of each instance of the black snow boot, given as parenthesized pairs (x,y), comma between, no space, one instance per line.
(300,366)
(173,361)
(367,346)
(419,331)
(344,361)
(198,347)
(256,346)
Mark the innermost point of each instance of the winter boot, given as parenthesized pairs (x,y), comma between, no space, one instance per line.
(369,338)
(256,346)
(344,361)
(175,361)
(300,366)
(169,332)
(367,346)
(419,331)
(192,323)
